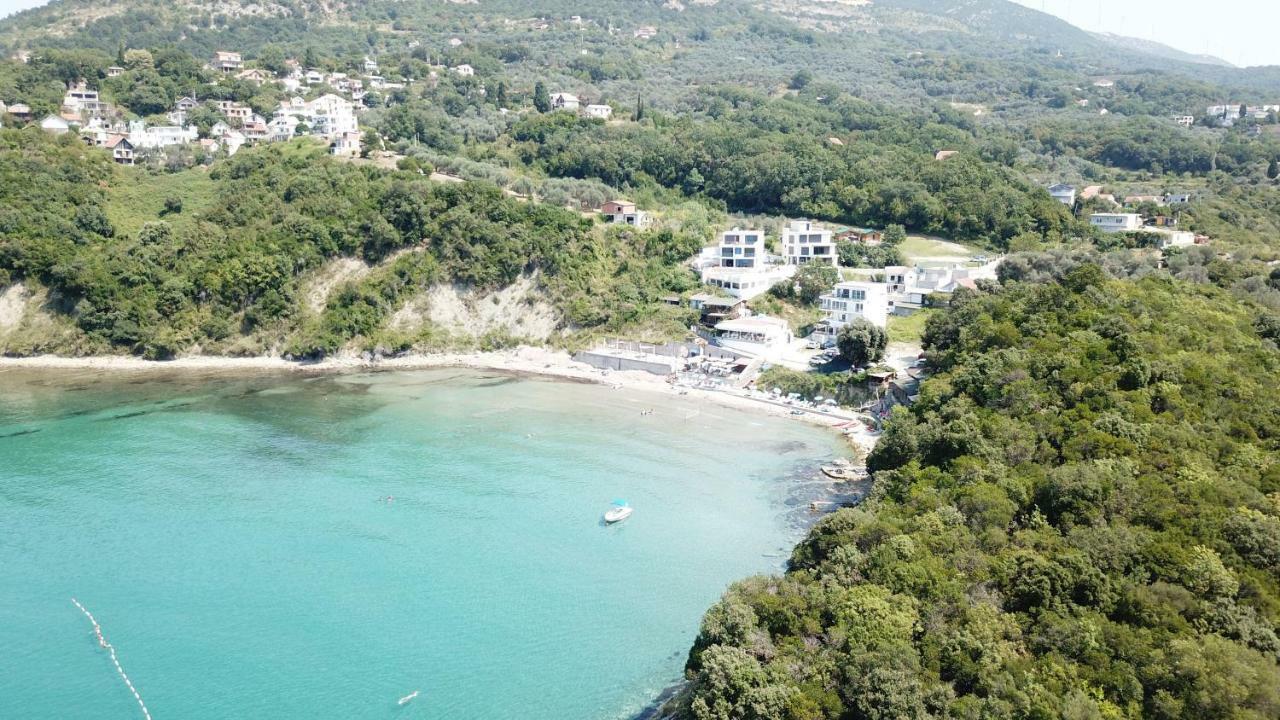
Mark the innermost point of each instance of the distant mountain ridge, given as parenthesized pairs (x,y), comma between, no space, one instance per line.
(1156,49)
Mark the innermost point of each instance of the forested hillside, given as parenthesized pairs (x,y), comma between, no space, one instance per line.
(1080,518)
(229,276)
(990,51)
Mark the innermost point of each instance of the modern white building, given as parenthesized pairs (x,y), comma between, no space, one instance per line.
(740,248)
(853,299)
(329,116)
(1116,222)
(758,336)
(1065,194)
(746,283)
(599,112)
(804,242)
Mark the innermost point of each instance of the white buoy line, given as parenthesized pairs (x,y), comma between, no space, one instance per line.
(102,642)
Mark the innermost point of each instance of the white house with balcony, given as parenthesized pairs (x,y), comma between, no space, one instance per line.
(740,248)
(853,299)
(1116,222)
(1065,194)
(804,242)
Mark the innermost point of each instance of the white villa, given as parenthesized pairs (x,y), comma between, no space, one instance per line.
(854,299)
(1065,194)
(600,112)
(803,242)
(564,101)
(1116,222)
(329,116)
(758,335)
(159,136)
(908,287)
(739,265)
(741,249)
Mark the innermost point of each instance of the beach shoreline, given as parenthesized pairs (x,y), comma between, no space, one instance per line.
(524,361)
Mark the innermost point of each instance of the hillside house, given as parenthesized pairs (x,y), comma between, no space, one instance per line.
(599,112)
(115,71)
(862,236)
(1116,222)
(1065,194)
(740,248)
(313,77)
(121,149)
(346,144)
(1170,237)
(226,62)
(622,212)
(804,242)
(464,70)
(257,76)
(1177,198)
(645,32)
(564,101)
(1185,120)
(370,66)
(854,299)
(713,309)
(81,99)
(21,111)
(54,124)
(1140,199)
(945,154)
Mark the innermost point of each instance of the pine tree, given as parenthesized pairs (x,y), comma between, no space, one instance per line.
(1244,109)
(500,97)
(638,115)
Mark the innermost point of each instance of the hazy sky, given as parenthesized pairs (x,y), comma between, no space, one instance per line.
(1239,31)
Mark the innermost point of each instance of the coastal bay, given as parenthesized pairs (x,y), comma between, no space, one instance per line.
(320,545)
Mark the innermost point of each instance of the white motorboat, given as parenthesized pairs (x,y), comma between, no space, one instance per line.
(619,512)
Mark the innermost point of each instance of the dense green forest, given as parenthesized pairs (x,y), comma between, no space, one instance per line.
(1080,518)
(236,268)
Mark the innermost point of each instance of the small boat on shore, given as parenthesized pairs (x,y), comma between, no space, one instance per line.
(843,470)
(619,512)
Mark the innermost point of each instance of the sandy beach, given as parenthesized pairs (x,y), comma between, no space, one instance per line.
(524,360)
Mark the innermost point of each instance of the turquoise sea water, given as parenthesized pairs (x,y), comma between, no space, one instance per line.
(234,540)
